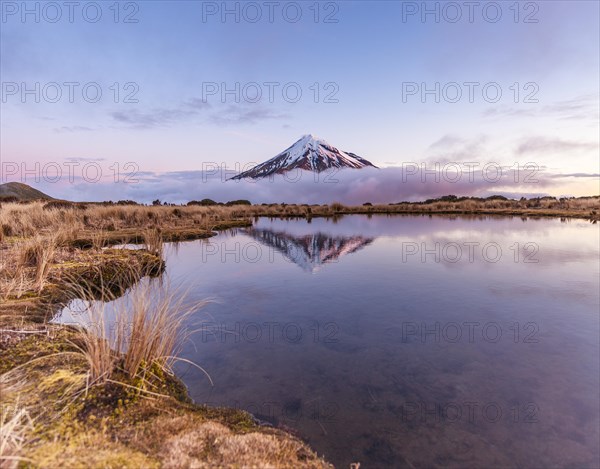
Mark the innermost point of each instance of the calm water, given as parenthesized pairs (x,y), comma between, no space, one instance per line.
(405,341)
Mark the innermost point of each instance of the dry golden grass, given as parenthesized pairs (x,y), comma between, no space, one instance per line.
(209,444)
(110,425)
(153,241)
(38,252)
(138,333)
(15,425)
(27,220)
(135,353)
(36,234)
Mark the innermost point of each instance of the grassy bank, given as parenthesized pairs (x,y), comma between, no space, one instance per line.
(68,389)
(90,223)
(53,416)
(84,397)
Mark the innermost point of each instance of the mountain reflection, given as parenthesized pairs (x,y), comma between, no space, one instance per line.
(309,251)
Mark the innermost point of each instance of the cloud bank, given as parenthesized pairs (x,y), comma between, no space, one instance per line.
(387,185)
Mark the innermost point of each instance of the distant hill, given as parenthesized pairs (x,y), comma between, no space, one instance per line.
(21,192)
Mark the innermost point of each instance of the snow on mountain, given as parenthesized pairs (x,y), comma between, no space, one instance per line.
(309,153)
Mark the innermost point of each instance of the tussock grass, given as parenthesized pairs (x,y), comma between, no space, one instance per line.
(153,241)
(138,334)
(36,233)
(97,393)
(15,423)
(38,252)
(27,220)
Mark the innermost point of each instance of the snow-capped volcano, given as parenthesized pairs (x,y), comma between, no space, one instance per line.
(309,153)
(309,251)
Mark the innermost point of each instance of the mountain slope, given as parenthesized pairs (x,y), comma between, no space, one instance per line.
(310,251)
(21,191)
(309,153)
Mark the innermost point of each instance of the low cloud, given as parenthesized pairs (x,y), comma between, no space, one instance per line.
(244,115)
(193,108)
(82,159)
(577,175)
(153,118)
(348,186)
(577,108)
(536,145)
(73,128)
(452,148)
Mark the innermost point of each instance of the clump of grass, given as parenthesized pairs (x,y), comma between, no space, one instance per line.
(337,207)
(13,285)
(38,252)
(15,423)
(153,241)
(138,334)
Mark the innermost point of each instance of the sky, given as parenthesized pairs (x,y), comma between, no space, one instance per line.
(144,100)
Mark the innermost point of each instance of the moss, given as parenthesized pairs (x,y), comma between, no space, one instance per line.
(61,378)
(89,448)
(110,417)
(114,424)
(55,341)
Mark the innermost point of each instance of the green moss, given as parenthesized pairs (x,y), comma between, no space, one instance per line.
(56,340)
(97,426)
(88,448)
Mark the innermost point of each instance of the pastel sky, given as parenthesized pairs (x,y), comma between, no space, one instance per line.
(355,63)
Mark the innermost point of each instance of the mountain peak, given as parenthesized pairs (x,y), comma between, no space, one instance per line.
(309,153)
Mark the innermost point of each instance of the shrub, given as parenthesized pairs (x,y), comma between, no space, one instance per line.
(7,230)
(203,202)
(58,204)
(238,202)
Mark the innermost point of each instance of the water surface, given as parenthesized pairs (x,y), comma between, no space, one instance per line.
(405,341)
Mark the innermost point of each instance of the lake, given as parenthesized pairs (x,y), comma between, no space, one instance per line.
(404,341)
